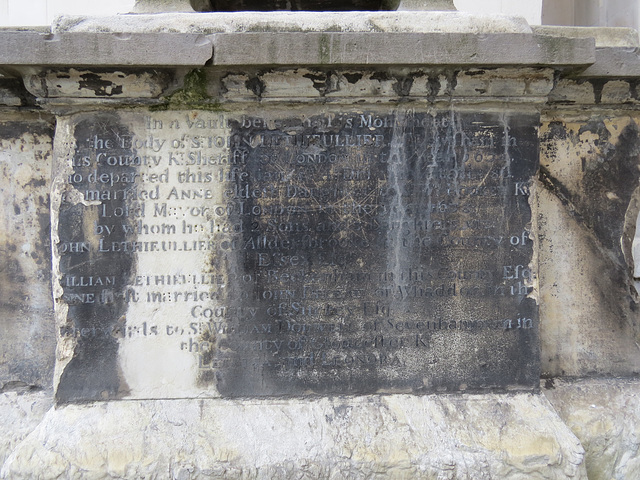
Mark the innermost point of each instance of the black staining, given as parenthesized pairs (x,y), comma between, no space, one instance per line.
(353,77)
(598,86)
(610,177)
(16,209)
(609,186)
(379,220)
(600,204)
(319,81)
(96,313)
(256,85)
(324,82)
(473,73)
(36,182)
(12,281)
(452,82)
(633,88)
(101,87)
(557,75)
(549,383)
(16,87)
(557,130)
(561,192)
(381,76)
(403,85)
(433,88)
(598,128)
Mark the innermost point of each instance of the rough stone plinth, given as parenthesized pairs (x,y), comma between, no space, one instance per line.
(20,413)
(479,437)
(605,415)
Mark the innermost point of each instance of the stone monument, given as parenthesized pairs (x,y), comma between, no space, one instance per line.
(326,244)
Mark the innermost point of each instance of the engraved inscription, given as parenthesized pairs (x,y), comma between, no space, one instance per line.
(297,252)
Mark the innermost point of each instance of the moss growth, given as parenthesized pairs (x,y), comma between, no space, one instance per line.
(193,95)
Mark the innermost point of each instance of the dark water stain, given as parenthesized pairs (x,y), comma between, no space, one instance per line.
(97,322)
(607,184)
(100,86)
(353,77)
(12,130)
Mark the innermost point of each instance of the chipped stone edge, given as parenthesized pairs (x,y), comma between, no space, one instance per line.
(62,148)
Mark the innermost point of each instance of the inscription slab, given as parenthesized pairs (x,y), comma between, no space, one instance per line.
(295,252)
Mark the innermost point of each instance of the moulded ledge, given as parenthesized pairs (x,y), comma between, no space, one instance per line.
(465,49)
(32,48)
(27,48)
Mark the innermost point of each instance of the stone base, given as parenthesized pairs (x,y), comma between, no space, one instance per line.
(605,415)
(20,414)
(433,437)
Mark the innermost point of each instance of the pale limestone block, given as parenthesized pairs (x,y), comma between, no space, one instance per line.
(20,414)
(27,342)
(400,436)
(605,415)
(579,334)
(407,21)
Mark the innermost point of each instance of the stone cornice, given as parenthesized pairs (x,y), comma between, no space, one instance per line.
(260,49)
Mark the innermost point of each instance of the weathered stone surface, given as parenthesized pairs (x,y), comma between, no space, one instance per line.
(119,336)
(210,88)
(20,413)
(605,415)
(615,62)
(384,86)
(26,309)
(28,48)
(399,49)
(346,251)
(418,21)
(604,36)
(430,437)
(99,83)
(588,204)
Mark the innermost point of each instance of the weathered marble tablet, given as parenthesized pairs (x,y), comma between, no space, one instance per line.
(295,251)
